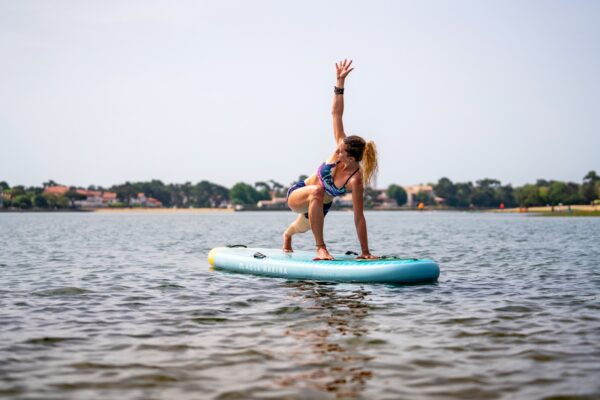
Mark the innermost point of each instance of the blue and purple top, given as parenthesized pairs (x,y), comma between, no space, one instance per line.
(326,178)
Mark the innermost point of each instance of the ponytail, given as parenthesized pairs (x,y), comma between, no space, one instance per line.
(369,162)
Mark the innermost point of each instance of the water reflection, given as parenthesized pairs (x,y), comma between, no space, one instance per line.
(330,343)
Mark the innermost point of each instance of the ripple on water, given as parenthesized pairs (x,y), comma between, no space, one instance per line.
(61,291)
(49,341)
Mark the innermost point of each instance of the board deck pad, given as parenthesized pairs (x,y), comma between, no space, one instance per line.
(300,265)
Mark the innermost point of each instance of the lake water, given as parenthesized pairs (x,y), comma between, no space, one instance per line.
(124,306)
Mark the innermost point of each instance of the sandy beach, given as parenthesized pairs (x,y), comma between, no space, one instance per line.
(139,210)
(548,209)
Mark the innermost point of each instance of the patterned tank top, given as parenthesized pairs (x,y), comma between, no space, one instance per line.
(325,176)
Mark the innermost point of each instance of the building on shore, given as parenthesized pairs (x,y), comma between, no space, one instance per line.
(384,201)
(109,198)
(55,190)
(91,199)
(276,203)
(99,198)
(413,192)
(143,201)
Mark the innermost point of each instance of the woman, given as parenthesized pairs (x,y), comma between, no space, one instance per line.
(350,167)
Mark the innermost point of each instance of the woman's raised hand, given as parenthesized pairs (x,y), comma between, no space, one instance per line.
(342,69)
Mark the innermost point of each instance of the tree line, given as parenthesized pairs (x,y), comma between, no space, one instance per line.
(490,193)
(185,195)
(484,193)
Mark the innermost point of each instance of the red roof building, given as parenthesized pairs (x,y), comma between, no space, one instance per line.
(56,190)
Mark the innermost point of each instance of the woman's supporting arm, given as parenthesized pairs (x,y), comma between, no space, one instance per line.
(359,219)
(342,69)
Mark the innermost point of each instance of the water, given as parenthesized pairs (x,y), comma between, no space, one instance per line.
(124,306)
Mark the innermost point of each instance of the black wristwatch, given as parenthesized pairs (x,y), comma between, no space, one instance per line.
(338,90)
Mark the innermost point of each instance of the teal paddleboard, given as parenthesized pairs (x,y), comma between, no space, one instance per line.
(300,265)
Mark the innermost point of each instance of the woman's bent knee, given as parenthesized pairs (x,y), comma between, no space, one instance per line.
(317,194)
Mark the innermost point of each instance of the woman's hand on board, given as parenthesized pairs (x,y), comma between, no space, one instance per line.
(342,69)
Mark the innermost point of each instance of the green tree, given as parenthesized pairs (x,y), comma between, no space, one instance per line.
(4,186)
(425,198)
(574,194)
(242,193)
(528,196)
(40,201)
(588,188)
(557,193)
(277,188)
(505,194)
(22,201)
(156,189)
(208,194)
(189,195)
(484,193)
(55,202)
(50,183)
(446,190)
(464,191)
(96,188)
(397,193)
(263,190)
(219,195)
(125,191)
(489,183)
(17,191)
(35,190)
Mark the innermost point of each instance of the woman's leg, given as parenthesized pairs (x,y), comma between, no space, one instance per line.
(310,198)
(300,225)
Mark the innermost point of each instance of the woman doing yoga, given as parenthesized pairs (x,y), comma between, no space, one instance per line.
(350,167)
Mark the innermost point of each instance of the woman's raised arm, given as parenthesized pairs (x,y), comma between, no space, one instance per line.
(342,69)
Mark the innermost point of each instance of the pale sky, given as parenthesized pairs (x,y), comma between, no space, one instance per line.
(100,92)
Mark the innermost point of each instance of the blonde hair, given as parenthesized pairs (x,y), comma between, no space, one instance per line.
(365,153)
(369,162)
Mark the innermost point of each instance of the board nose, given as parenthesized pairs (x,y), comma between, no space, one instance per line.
(211,257)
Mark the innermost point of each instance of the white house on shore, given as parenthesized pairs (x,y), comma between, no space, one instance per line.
(277,203)
(142,200)
(93,199)
(414,190)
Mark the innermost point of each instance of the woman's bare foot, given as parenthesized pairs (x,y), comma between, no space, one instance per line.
(287,244)
(323,254)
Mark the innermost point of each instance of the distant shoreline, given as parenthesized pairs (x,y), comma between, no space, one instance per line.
(549,209)
(562,211)
(133,210)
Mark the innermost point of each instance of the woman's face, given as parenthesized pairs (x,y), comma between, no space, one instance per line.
(342,154)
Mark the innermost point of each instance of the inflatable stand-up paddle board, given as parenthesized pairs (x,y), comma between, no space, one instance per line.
(300,265)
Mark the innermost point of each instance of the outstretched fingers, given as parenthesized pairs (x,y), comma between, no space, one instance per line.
(342,68)
(343,64)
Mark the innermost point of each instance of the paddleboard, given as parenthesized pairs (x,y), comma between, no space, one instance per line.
(300,265)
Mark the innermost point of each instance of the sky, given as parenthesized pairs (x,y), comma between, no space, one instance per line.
(103,92)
